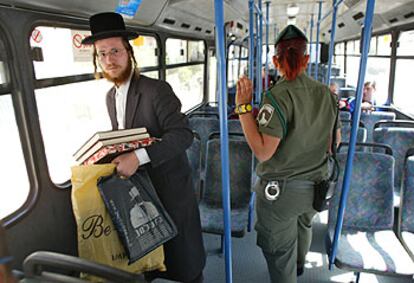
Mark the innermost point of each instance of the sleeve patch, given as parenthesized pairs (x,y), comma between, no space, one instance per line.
(265,114)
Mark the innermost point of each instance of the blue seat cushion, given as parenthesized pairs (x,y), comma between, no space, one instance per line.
(212,220)
(376,252)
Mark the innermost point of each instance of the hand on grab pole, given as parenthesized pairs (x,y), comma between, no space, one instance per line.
(244,91)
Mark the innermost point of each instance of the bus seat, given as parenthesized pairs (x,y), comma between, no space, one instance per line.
(344,115)
(43,266)
(345,92)
(194,157)
(346,134)
(369,120)
(400,140)
(204,126)
(234,126)
(339,81)
(211,207)
(367,242)
(406,216)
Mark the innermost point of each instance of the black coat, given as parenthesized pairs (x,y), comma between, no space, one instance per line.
(153,104)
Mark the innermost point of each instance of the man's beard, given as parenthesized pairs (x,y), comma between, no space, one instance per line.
(123,77)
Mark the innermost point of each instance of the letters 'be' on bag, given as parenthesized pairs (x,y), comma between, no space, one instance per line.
(140,219)
(97,238)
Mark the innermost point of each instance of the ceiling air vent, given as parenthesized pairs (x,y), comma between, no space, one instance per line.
(169,21)
(409,15)
(341,25)
(358,16)
(197,29)
(184,25)
(393,20)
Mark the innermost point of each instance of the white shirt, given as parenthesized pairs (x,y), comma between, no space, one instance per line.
(120,104)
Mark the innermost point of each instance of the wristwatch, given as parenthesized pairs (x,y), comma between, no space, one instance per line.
(243,108)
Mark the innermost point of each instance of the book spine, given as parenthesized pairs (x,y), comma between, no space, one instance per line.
(118,148)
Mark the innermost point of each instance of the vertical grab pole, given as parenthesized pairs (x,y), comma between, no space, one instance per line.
(251,40)
(310,46)
(267,47)
(259,53)
(332,42)
(318,29)
(221,58)
(366,38)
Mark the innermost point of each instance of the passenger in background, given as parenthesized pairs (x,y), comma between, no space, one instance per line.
(333,87)
(138,101)
(5,258)
(368,101)
(290,138)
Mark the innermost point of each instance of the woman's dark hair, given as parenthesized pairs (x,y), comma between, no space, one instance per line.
(291,57)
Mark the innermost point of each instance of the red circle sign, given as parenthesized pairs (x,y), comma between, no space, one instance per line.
(77,40)
(37,36)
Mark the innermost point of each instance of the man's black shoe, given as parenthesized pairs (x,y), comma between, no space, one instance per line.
(300,270)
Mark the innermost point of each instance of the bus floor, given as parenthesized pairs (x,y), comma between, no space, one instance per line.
(249,265)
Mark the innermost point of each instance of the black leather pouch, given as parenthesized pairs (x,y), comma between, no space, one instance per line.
(323,192)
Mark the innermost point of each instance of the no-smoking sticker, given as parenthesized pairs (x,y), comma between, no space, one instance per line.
(37,36)
(77,40)
(81,52)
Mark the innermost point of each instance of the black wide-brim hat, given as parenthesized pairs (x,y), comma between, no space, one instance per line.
(106,25)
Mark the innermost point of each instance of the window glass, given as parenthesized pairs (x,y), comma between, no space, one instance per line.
(378,70)
(187,83)
(403,97)
(339,62)
(81,111)
(352,68)
(212,82)
(196,51)
(356,47)
(406,43)
(373,46)
(176,51)
(384,45)
(14,182)
(57,47)
(145,51)
(350,49)
(340,48)
(153,74)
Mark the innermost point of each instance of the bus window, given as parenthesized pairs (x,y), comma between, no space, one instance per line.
(378,66)
(14,182)
(384,45)
(60,47)
(403,97)
(339,59)
(212,82)
(187,78)
(78,101)
(233,65)
(145,51)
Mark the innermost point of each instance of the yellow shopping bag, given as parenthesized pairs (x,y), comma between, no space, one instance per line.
(97,237)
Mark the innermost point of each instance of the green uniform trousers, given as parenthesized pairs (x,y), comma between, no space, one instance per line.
(284,230)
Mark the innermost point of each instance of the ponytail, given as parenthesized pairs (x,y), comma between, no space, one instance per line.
(291,57)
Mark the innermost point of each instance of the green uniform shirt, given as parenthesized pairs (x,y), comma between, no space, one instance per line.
(309,110)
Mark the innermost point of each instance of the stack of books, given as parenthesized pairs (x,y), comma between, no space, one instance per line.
(102,147)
